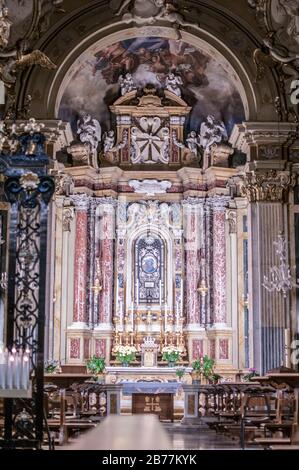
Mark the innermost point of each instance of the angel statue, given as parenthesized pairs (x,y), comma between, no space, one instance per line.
(212,132)
(109,141)
(89,131)
(193,143)
(173,14)
(5,25)
(126,84)
(173,83)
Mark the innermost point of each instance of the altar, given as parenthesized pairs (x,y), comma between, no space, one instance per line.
(155,390)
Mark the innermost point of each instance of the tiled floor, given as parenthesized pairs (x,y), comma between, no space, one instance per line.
(199,438)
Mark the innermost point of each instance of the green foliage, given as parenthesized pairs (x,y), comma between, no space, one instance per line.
(204,366)
(180,372)
(96,365)
(51,366)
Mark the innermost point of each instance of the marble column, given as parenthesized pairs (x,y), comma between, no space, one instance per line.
(218,205)
(193,233)
(80,316)
(107,237)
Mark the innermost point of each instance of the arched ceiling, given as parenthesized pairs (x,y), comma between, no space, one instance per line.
(217,52)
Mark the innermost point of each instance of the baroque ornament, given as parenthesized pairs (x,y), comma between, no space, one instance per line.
(267,186)
(150,187)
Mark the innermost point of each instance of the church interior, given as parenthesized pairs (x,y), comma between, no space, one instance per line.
(149,224)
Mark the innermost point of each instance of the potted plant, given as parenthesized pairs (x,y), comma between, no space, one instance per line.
(171,354)
(180,372)
(197,371)
(125,354)
(208,367)
(52,367)
(96,365)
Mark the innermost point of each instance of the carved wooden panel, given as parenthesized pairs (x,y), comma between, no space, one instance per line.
(158,404)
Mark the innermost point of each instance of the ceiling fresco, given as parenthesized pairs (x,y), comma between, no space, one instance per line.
(208,85)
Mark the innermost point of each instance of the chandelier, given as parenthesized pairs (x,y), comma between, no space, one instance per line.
(280,278)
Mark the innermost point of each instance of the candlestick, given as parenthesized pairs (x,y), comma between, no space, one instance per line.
(182,296)
(132,317)
(160,293)
(165,315)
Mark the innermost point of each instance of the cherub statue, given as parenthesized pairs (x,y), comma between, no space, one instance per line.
(172,14)
(5,25)
(109,141)
(89,131)
(212,132)
(173,83)
(126,84)
(140,10)
(192,143)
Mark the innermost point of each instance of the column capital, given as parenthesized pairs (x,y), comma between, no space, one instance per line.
(218,203)
(193,201)
(267,186)
(81,201)
(103,201)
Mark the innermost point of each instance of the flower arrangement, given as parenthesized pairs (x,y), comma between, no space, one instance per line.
(51,366)
(125,354)
(171,354)
(96,365)
(252,373)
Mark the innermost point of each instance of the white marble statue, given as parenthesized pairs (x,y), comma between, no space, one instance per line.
(140,11)
(212,132)
(109,141)
(5,25)
(173,83)
(172,14)
(126,84)
(165,136)
(193,143)
(152,10)
(89,131)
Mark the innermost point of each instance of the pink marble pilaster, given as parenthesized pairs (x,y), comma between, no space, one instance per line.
(107,237)
(81,259)
(218,205)
(192,250)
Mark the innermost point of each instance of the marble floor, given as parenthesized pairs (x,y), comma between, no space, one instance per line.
(199,438)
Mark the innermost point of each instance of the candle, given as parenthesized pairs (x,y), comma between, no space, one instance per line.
(2,369)
(137,292)
(160,293)
(132,316)
(25,373)
(10,367)
(165,315)
(177,314)
(182,297)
